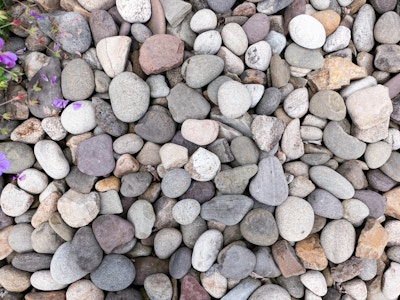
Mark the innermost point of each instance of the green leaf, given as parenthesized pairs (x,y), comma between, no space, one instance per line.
(3,131)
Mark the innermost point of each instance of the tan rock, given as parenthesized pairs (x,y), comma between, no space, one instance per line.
(45,209)
(393,203)
(14,280)
(49,5)
(335,73)
(107,184)
(355,6)
(285,257)
(161,52)
(126,164)
(200,132)
(152,193)
(157,22)
(55,295)
(84,289)
(311,253)
(73,5)
(372,240)
(5,249)
(329,19)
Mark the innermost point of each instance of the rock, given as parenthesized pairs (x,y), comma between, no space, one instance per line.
(387,58)
(295,219)
(93,159)
(372,240)
(315,282)
(32,261)
(270,7)
(202,191)
(181,109)
(112,53)
(219,7)
(199,70)
(277,41)
(338,40)
(256,27)
(213,282)
(259,227)
(375,202)
(19,238)
(186,211)
(383,25)
(182,30)
(43,280)
(347,270)
(235,180)
(166,241)
(50,157)
(331,181)
(128,143)
(129,97)
(329,105)
(53,128)
(265,264)
(116,272)
(209,42)
(78,209)
(258,56)
(45,240)
(180,263)
(392,207)
(102,25)
(106,119)
(377,154)
(158,86)
(140,32)
(269,186)
(236,262)
(138,12)
(296,103)
(200,132)
(338,248)
(286,259)
(391,166)
(79,181)
(244,150)
(390,284)
(175,11)
(29,132)
(329,19)
(206,249)
(301,187)
(158,286)
(280,71)
(148,265)
(243,290)
(161,52)
(263,124)
(233,99)
(135,184)
(175,183)
(305,38)
(191,289)
(14,280)
(203,165)
(14,201)
(311,253)
(300,57)
(78,117)
(335,73)
(173,156)
(355,211)
(84,288)
(77,80)
(203,20)
(234,38)
(141,215)
(6,249)
(363,28)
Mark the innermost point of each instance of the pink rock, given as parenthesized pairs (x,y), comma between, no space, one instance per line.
(191,289)
(161,52)
(200,132)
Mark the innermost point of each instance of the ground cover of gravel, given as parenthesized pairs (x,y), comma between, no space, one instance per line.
(202,149)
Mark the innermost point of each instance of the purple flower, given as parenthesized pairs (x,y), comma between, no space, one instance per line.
(19,176)
(7,58)
(60,103)
(4,163)
(53,79)
(34,14)
(44,77)
(56,47)
(76,105)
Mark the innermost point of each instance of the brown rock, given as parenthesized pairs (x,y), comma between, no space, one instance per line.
(335,73)
(5,249)
(161,52)
(55,295)
(347,270)
(30,132)
(14,280)
(149,265)
(49,5)
(353,172)
(126,164)
(286,259)
(107,184)
(250,76)
(311,253)
(191,289)
(152,193)
(329,19)
(355,6)
(45,209)
(73,5)
(372,240)
(163,210)
(246,9)
(393,203)
(157,22)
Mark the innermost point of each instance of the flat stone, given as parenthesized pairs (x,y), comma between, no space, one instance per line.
(45,240)
(31,261)
(135,184)
(235,180)
(209,42)
(84,288)
(79,181)
(219,7)
(329,105)
(43,280)
(203,20)
(338,40)
(325,204)
(377,154)
(237,262)
(199,70)
(200,132)
(202,191)
(14,280)
(29,132)
(392,206)
(102,25)
(140,11)
(243,290)
(286,259)
(338,248)
(259,227)
(311,253)
(372,241)
(53,128)
(265,264)
(298,56)
(315,282)
(206,249)
(267,131)
(277,41)
(142,216)
(296,103)
(383,25)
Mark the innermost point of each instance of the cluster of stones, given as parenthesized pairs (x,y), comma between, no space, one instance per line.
(221,149)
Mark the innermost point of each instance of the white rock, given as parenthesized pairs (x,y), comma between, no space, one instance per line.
(338,40)
(203,20)
(393,138)
(186,211)
(79,120)
(142,216)
(291,142)
(200,132)
(208,42)
(354,211)
(256,92)
(258,56)
(32,181)
(232,63)
(296,103)
(315,282)
(203,165)
(307,32)
(234,99)
(234,38)
(376,154)
(175,11)
(206,249)
(345,2)
(42,280)
(391,281)
(138,11)
(158,86)
(15,202)
(51,158)
(320,4)
(173,156)
(277,41)
(355,288)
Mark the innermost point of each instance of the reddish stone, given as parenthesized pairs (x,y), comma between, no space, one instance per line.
(311,253)
(55,295)
(372,240)
(148,265)
(161,52)
(191,289)
(157,23)
(286,259)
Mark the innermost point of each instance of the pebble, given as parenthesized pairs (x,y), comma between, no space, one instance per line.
(51,158)
(102,25)
(175,11)
(296,103)
(191,289)
(357,85)
(294,218)
(158,86)
(270,291)
(235,180)
(258,56)
(19,238)
(175,182)
(106,50)
(173,156)
(84,289)
(383,7)
(280,71)
(386,58)
(128,143)
(146,266)
(198,169)
(256,27)
(135,184)
(383,25)
(129,97)
(338,248)
(298,56)
(392,227)
(180,263)
(160,52)
(166,241)
(277,41)
(363,28)
(158,286)
(77,80)
(391,204)
(78,209)
(391,282)
(311,253)
(338,40)
(263,124)
(200,132)
(256,92)
(116,272)
(186,211)
(43,280)
(332,182)
(213,282)
(234,38)
(208,42)
(14,280)
(14,201)
(328,105)
(45,240)
(140,32)
(234,99)
(106,120)
(373,240)
(325,204)
(243,290)
(29,132)
(206,249)
(31,261)
(200,70)
(259,227)
(140,11)
(269,101)
(356,288)
(203,20)
(220,7)
(376,154)
(265,264)
(355,211)
(236,262)
(315,282)
(53,128)
(81,120)
(375,202)
(269,186)
(142,216)
(201,191)
(309,39)
(270,7)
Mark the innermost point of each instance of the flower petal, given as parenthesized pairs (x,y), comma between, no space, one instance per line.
(4,165)
(1,43)
(76,105)
(2,156)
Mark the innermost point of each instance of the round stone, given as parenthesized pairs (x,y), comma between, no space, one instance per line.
(84,289)
(77,80)
(325,204)
(258,56)
(307,32)
(206,249)
(19,238)
(199,70)
(175,183)
(42,280)
(134,12)
(203,165)
(166,241)
(234,38)
(186,211)
(79,117)
(200,132)
(338,40)
(15,202)
(296,103)
(270,291)
(32,181)
(135,184)
(363,29)
(234,99)
(14,280)
(203,20)
(220,6)
(158,286)
(294,218)
(180,263)
(377,154)
(315,282)
(383,32)
(116,272)
(208,42)
(328,105)
(236,262)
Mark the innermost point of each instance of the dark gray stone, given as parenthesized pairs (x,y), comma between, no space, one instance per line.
(31,261)
(245,150)
(106,119)
(383,6)
(220,147)
(180,140)
(202,191)
(102,25)
(180,263)
(236,262)
(79,181)
(269,101)
(135,184)
(325,204)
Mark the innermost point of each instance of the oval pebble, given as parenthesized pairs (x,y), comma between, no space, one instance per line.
(234,38)
(270,291)
(175,183)
(203,165)
(258,56)
(84,289)
(206,248)
(32,181)
(186,211)
(325,204)
(234,99)
(158,286)
(180,263)
(328,105)
(203,20)
(296,103)
(200,132)
(307,32)
(142,216)
(51,158)
(315,282)
(376,154)
(42,280)
(166,241)
(208,42)
(79,117)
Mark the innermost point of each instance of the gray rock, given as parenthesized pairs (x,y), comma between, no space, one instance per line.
(325,204)
(363,28)
(265,263)
(199,70)
(380,181)
(175,183)
(191,232)
(45,240)
(298,56)
(158,86)
(262,124)
(241,124)
(135,184)
(259,227)
(208,42)
(270,291)
(306,31)
(315,282)
(234,38)
(180,263)
(269,186)
(291,142)
(269,101)
(328,105)
(234,99)
(19,238)
(166,241)
(142,216)
(221,148)
(293,285)
(102,25)
(130,96)
(220,7)
(377,154)
(106,119)
(338,40)
(175,11)
(128,143)
(235,180)
(140,32)
(201,191)
(392,166)
(92,5)
(383,28)
(112,54)
(116,272)
(206,249)
(77,80)
(186,211)
(277,41)
(213,87)
(376,202)
(382,7)
(236,262)
(243,290)
(128,293)
(357,85)
(387,58)
(79,181)
(270,7)
(31,261)
(158,286)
